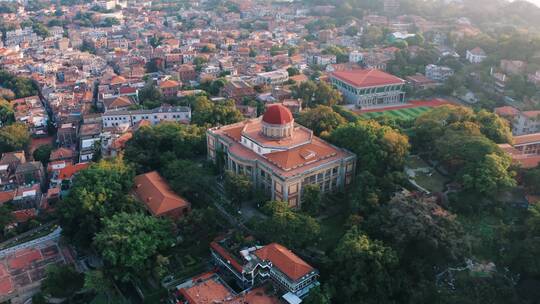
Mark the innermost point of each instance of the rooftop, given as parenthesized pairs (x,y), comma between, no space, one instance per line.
(367,78)
(156,194)
(285,260)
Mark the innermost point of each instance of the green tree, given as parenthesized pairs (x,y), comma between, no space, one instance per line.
(6,218)
(97,193)
(7,114)
(364,269)
(419,229)
(62,281)
(14,137)
(491,175)
(293,71)
(131,245)
(379,149)
(531,180)
(285,226)
(207,113)
(150,96)
(169,141)
(41,30)
(312,199)
(238,187)
(187,178)
(42,154)
(317,295)
(321,119)
(494,127)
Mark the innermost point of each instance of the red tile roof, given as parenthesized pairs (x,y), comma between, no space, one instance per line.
(367,78)
(156,194)
(24,215)
(61,153)
(285,260)
(70,170)
(227,256)
(527,139)
(7,196)
(277,114)
(169,84)
(209,291)
(506,111)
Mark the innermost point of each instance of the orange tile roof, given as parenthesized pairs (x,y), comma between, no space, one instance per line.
(300,156)
(209,291)
(7,196)
(169,84)
(70,170)
(61,153)
(288,163)
(121,141)
(367,78)
(24,215)
(226,255)
(155,193)
(120,102)
(118,80)
(532,114)
(526,139)
(285,260)
(506,111)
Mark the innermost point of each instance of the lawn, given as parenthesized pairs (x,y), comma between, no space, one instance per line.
(407,113)
(431,180)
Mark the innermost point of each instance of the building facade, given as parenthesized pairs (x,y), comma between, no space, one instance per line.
(254,265)
(155,116)
(272,78)
(280,156)
(369,87)
(438,73)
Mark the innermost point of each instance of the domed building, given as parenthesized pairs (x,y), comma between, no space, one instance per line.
(280,156)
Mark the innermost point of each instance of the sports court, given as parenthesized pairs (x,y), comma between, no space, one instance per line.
(23,269)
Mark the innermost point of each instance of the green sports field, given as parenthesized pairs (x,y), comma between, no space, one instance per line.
(408,113)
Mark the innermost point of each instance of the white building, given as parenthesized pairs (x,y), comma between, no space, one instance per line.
(476,55)
(438,73)
(272,78)
(356,57)
(124,118)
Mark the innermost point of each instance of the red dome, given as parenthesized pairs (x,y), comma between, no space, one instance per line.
(277,115)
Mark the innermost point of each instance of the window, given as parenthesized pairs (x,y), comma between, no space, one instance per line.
(293,189)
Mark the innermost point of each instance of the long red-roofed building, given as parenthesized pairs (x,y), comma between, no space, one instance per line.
(251,265)
(369,87)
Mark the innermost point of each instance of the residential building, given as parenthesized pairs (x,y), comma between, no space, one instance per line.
(476,55)
(522,122)
(169,88)
(210,288)
(89,137)
(154,192)
(438,73)
(369,87)
(420,82)
(238,90)
(524,150)
(323,60)
(252,265)
(513,67)
(280,156)
(126,118)
(30,173)
(356,57)
(272,78)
